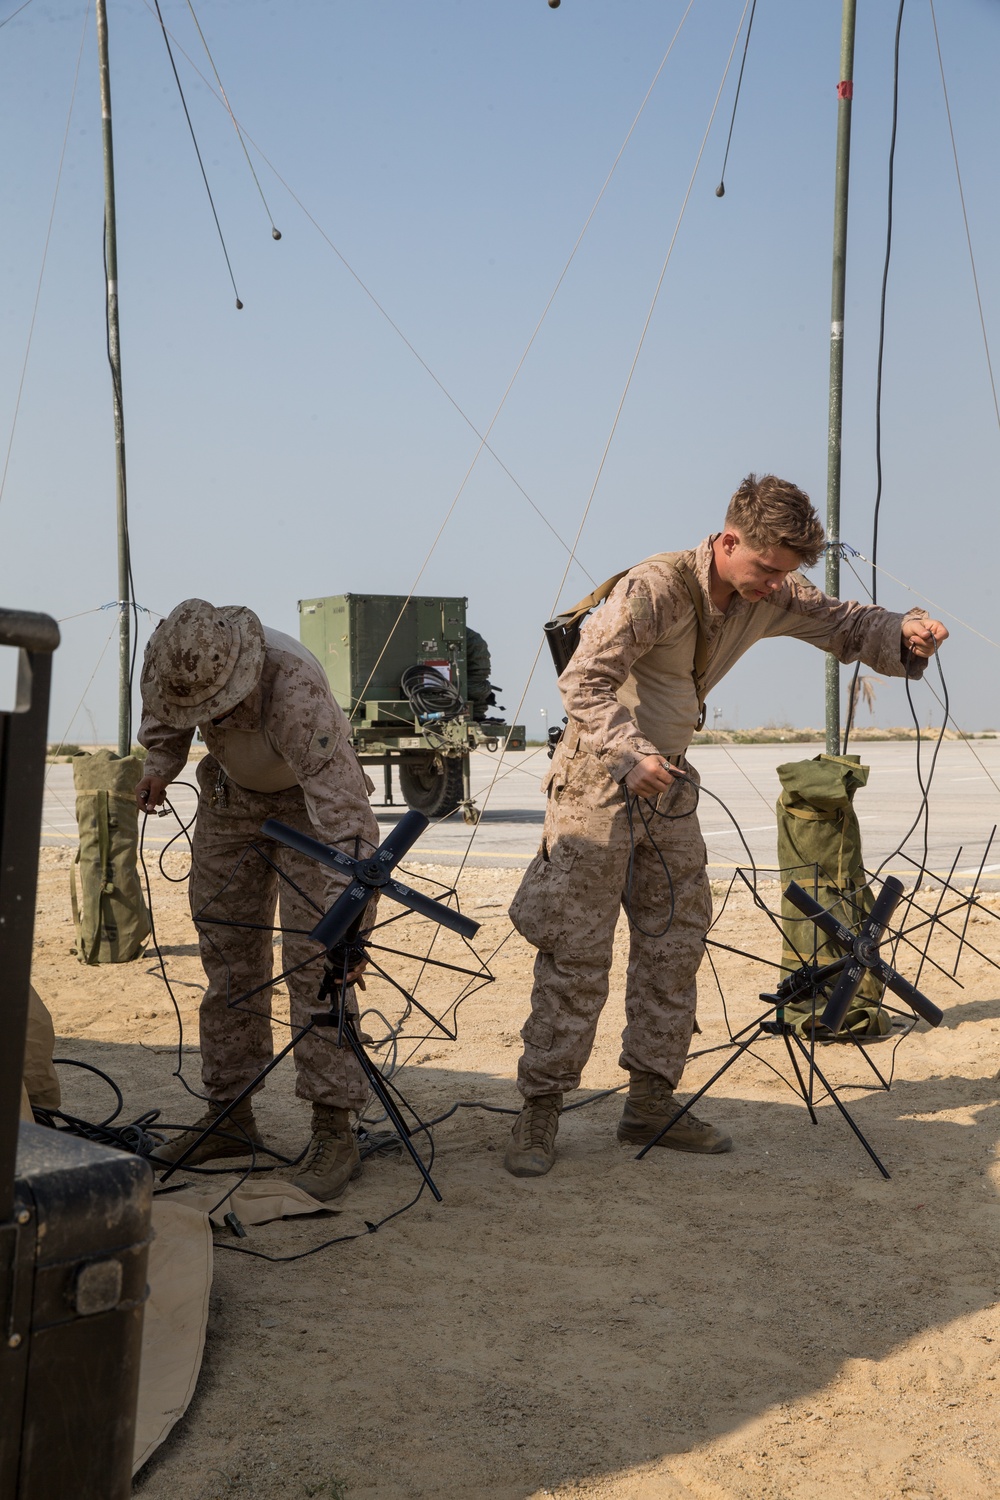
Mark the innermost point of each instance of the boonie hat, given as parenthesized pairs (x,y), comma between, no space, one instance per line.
(201,661)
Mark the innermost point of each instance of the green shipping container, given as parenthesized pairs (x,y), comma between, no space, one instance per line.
(365,651)
(365,643)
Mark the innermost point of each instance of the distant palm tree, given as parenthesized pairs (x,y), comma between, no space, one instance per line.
(863,688)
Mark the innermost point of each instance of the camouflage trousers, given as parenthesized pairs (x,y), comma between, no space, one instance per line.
(232,883)
(567,907)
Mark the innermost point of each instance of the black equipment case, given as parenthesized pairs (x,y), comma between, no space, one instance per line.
(74,1218)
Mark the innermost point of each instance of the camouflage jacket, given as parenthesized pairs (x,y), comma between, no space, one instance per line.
(629,685)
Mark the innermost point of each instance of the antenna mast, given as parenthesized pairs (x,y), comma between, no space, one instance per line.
(845,93)
(114,355)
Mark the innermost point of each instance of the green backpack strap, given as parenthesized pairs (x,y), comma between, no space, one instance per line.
(592,600)
(88,942)
(700,667)
(75,903)
(563,632)
(817,815)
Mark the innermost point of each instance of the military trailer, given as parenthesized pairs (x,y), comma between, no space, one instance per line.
(414,681)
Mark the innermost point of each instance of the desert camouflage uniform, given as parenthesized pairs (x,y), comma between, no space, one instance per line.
(289,729)
(629,693)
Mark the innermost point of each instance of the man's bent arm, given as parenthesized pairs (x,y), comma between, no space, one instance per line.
(168,748)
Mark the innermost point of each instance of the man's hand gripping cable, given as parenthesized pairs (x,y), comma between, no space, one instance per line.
(648,812)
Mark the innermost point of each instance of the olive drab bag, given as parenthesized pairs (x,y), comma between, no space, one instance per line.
(109,912)
(819,847)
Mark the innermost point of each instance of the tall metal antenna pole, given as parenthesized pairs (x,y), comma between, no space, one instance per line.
(114,355)
(845,93)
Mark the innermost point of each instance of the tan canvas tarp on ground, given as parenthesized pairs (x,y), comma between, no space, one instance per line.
(174,1322)
(112,923)
(256,1201)
(180,1281)
(819,847)
(40,1081)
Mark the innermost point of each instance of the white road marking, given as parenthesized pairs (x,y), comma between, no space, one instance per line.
(761,828)
(766,827)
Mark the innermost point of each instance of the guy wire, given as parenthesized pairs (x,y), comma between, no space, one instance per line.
(747,777)
(882,299)
(524,355)
(197,152)
(396,328)
(15,13)
(652,305)
(275,232)
(642,338)
(621,403)
(64,740)
(965,216)
(966,738)
(933,604)
(720,191)
(48,237)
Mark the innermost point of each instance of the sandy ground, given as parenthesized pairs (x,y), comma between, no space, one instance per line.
(778,1322)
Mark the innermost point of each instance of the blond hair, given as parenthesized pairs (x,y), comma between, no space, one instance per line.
(771,512)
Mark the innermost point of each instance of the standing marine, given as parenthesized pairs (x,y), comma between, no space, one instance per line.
(278,747)
(621,822)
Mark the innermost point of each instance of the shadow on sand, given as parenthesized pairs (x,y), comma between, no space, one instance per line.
(530,1334)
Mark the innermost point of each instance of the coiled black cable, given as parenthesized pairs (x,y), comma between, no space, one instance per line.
(430,694)
(634,803)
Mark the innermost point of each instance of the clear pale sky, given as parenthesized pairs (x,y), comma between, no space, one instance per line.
(452,150)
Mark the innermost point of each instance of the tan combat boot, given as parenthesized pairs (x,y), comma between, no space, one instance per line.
(650,1105)
(532,1148)
(332,1159)
(236,1136)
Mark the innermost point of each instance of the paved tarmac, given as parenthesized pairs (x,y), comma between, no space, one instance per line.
(964,808)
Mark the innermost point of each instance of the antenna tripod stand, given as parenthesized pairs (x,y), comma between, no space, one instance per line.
(339,932)
(810,982)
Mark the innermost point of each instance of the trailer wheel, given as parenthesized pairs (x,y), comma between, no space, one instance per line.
(431,784)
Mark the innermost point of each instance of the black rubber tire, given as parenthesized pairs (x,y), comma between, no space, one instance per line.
(431,784)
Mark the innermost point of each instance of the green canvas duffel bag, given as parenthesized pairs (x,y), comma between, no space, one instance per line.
(819,847)
(109,912)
